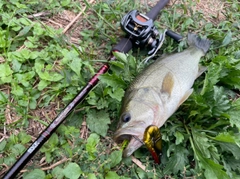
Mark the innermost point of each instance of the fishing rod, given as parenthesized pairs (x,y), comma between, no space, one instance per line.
(140,32)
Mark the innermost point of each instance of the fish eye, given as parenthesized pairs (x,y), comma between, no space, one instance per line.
(126,117)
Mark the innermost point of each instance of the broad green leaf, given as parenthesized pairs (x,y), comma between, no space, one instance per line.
(227,39)
(2,145)
(5,73)
(91,176)
(234,114)
(213,74)
(225,137)
(21,55)
(36,173)
(113,80)
(18,149)
(3,97)
(30,44)
(98,121)
(120,56)
(48,155)
(65,2)
(38,30)
(231,165)
(92,141)
(25,30)
(112,175)
(116,93)
(141,173)
(53,140)
(212,169)
(43,84)
(201,142)
(16,65)
(24,78)
(45,72)
(17,90)
(57,172)
(232,78)
(117,64)
(72,171)
(23,103)
(1,4)
(115,158)
(24,138)
(25,21)
(3,39)
(76,65)
(33,103)
(132,63)
(229,146)
(10,159)
(177,161)
(188,22)
(35,54)
(221,104)
(179,137)
(237,54)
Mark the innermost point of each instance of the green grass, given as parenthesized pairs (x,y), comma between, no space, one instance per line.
(40,70)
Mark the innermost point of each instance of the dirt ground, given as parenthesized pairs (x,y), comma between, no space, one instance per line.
(212,10)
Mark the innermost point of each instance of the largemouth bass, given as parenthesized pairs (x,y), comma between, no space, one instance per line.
(158,91)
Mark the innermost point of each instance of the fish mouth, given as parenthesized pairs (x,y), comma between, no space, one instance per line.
(119,139)
(135,142)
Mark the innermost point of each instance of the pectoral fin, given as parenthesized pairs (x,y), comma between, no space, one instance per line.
(186,96)
(168,83)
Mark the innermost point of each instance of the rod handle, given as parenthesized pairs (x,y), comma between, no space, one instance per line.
(124,45)
(152,14)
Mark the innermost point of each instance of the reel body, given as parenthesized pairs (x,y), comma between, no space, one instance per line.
(141,30)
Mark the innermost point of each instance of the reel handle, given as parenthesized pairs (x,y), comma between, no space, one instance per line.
(174,35)
(153,13)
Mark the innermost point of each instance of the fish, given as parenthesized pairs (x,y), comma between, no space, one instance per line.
(158,91)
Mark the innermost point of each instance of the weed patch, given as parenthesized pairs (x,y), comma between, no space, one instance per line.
(42,69)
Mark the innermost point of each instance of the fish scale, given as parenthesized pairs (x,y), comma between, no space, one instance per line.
(158,91)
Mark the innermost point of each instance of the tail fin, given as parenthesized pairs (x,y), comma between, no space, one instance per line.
(203,44)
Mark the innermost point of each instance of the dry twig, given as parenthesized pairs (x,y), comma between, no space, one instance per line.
(75,19)
(55,164)
(51,166)
(138,163)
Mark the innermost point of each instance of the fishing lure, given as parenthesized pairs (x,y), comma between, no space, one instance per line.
(153,141)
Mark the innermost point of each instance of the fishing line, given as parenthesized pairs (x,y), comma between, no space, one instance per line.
(139,140)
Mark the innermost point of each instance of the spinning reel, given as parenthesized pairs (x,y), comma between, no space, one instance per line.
(141,30)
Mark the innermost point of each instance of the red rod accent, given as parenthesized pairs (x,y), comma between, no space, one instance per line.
(101,71)
(155,156)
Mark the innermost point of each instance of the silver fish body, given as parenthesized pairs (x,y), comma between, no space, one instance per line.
(158,91)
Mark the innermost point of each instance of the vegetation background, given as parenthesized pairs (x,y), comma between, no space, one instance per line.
(48,52)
